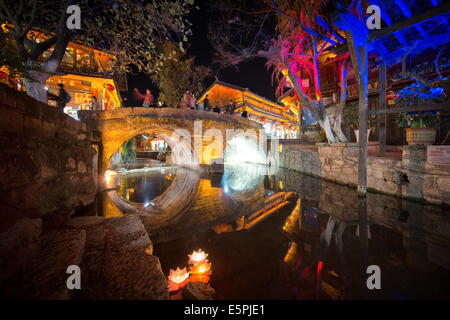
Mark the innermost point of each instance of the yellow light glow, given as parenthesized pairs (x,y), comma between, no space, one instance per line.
(200,268)
(291,254)
(179,275)
(280,148)
(281,184)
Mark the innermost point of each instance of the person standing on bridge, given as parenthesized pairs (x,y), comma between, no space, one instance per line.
(206,105)
(188,99)
(148,97)
(192,102)
(64,97)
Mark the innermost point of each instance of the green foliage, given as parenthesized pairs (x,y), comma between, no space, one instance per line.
(350,117)
(419,93)
(322,136)
(128,151)
(10,62)
(417,119)
(178,73)
(134,31)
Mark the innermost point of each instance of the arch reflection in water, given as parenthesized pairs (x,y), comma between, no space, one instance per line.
(175,199)
(142,187)
(242,177)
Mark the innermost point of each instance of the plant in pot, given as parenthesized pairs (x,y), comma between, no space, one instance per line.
(420,126)
(351,119)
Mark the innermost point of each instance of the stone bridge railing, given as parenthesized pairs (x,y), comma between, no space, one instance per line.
(165,113)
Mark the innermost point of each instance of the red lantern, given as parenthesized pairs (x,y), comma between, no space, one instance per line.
(109,87)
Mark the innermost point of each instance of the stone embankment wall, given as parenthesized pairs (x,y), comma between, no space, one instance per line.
(410,177)
(48,170)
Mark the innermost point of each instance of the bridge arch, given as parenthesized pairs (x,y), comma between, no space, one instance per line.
(115,127)
(179,140)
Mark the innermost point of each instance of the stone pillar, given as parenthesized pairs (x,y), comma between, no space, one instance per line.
(413,162)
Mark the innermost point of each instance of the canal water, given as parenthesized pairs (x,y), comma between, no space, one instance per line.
(315,246)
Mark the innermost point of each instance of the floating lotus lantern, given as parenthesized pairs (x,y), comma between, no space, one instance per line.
(200,268)
(178,279)
(197,256)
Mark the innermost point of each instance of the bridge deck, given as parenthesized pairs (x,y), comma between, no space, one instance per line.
(164,113)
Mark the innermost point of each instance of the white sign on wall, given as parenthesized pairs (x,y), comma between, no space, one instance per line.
(438,155)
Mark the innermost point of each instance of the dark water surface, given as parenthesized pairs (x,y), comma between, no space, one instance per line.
(145,186)
(315,247)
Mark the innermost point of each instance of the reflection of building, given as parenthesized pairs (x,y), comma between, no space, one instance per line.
(271,205)
(277,120)
(87,76)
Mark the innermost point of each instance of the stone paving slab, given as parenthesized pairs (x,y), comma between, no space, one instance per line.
(59,249)
(130,271)
(84,222)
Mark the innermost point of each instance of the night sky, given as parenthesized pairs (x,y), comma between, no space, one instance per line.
(252,74)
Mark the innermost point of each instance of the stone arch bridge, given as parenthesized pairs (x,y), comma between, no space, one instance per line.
(184,130)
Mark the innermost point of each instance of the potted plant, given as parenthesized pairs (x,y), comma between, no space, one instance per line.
(351,118)
(420,126)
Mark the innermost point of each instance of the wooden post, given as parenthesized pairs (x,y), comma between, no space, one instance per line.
(300,120)
(363,119)
(381,118)
(360,66)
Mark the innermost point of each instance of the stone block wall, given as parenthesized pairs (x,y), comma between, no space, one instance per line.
(48,170)
(47,167)
(410,177)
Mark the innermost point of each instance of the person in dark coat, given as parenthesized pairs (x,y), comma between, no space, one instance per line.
(206,105)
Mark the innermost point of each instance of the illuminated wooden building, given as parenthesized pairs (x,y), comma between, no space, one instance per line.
(87,76)
(276,119)
(420,25)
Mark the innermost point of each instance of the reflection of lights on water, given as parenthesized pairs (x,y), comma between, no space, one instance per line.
(109,175)
(291,254)
(281,184)
(242,177)
(151,203)
(280,148)
(293,221)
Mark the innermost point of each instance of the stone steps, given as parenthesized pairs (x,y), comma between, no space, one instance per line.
(115,257)
(130,269)
(59,249)
(92,279)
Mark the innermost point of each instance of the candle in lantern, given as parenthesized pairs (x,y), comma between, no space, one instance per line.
(177,279)
(200,267)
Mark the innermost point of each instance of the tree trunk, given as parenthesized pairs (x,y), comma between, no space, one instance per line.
(36,88)
(316,108)
(338,119)
(325,124)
